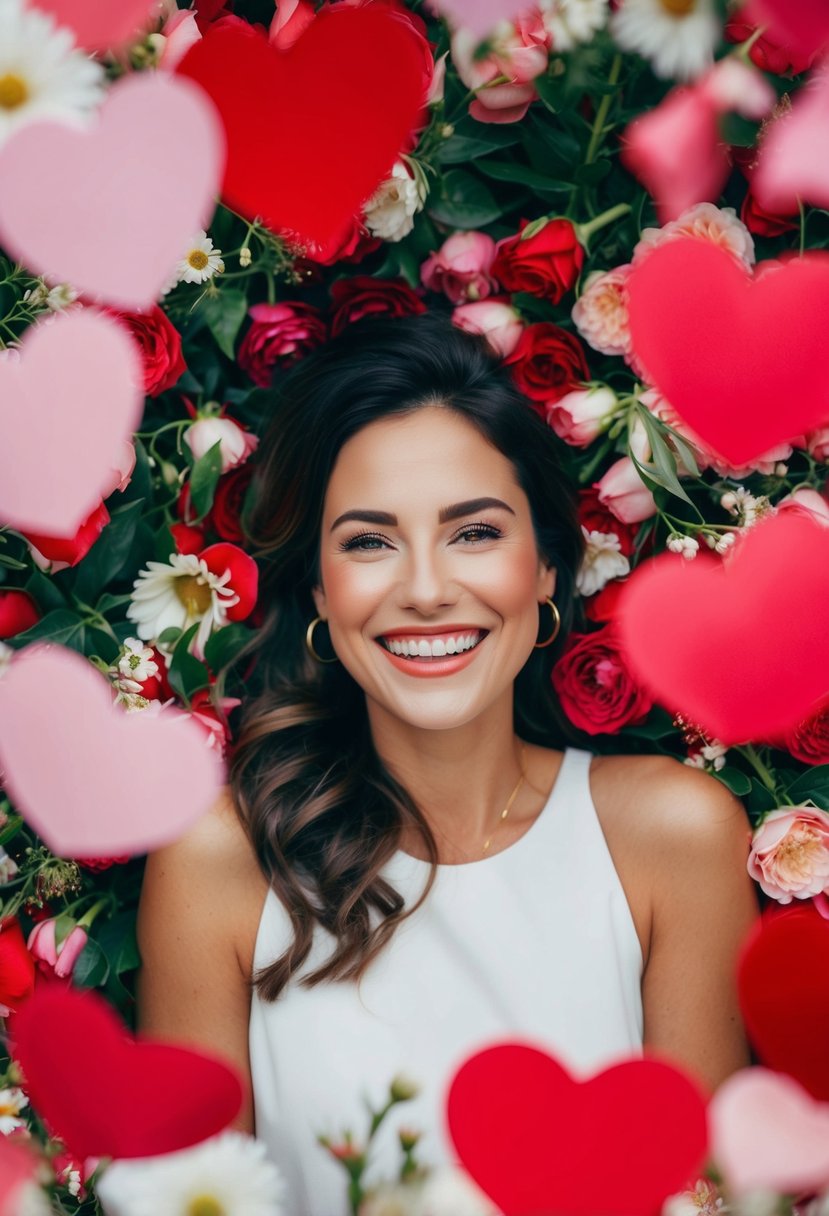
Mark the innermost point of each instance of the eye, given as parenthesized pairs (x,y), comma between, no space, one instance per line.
(477,532)
(363,542)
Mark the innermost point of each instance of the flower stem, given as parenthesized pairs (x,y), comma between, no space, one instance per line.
(585,231)
(751,754)
(597,132)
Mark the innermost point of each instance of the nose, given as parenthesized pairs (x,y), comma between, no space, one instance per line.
(427,584)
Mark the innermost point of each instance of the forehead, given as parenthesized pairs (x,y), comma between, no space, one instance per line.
(430,455)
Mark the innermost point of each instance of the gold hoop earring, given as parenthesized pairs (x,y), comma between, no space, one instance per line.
(309,642)
(556,627)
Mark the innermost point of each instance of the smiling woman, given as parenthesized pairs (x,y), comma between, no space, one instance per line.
(417,861)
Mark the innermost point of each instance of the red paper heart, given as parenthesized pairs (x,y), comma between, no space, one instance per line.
(783,982)
(722,349)
(738,647)
(312,131)
(540,1143)
(800,24)
(105,1093)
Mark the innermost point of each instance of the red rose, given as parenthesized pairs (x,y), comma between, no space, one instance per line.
(279,336)
(363,296)
(188,538)
(809,741)
(603,607)
(17,966)
(227,504)
(762,222)
(97,864)
(547,363)
(160,344)
(595,688)
(546,264)
(18,612)
(596,518)
(766,53)
(65,551)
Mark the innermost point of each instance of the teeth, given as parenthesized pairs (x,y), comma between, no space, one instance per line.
(437,649)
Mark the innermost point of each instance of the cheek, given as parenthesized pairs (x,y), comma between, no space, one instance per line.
(351,590)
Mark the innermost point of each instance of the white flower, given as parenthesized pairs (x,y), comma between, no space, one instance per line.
(389,213)
(12,1102)
(451,1192)
(199,263)
(603,560)
(60,297)
(677,37)
(42,76)
(719,225)
(743,505)
(702,1201)
(686,545)
(236,443)
(136,665)
(228,1175)
(8,867)
(177,593)
(571,21)
(724,543)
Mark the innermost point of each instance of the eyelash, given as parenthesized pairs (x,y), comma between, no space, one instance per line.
(481,531)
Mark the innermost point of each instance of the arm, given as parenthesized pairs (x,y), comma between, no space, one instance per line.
(197,908)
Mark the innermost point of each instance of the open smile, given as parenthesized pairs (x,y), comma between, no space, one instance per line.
(436,653)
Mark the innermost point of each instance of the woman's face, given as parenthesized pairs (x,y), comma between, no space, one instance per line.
(430,578)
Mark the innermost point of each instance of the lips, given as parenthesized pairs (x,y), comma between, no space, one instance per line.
(426,647)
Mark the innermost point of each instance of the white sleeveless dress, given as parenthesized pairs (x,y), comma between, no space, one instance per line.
(536,943)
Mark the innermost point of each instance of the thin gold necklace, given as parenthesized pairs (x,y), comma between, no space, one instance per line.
(506,809)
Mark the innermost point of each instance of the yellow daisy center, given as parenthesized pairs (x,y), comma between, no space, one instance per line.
(9,1108)
(197,598)
(205,1205)
(13,91)
(678,8)
(197,258)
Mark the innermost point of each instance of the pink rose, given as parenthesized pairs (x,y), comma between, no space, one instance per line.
(495,318)
(624,493)
(237,442)
(461,267)
(279,336)
(580,417)
(181,32)
(790,853)
(520,56)
(600,313)
(52,956)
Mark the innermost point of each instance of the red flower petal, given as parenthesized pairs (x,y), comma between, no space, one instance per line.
(244,575)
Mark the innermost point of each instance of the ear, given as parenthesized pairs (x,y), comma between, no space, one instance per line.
(546,582)
(319,602)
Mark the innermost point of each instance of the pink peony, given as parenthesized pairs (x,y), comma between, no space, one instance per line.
(624,494)
(790,853)
(601,312)
(461,267)
(495,318)
(520,56)
(580,417)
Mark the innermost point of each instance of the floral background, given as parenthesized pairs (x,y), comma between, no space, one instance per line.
(518,206)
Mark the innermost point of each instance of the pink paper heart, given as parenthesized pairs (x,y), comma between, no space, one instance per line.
(135,187)
(67,405)
(89,778)
(767,1133)
(787,168)
(97,26)
(480,17)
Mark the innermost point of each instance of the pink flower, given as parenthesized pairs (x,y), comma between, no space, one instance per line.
(601,312)
(53,956)
(279,336)
(580,417)
(181,32)
(624,494)
(704,222)
(122,474)
(237,443)
(520,56)
(804,498)
(211,719)
(790,853)
(817,443)
(461,267)
(495,318)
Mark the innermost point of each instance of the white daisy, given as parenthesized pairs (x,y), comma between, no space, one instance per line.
(677,37)
(200,262)
(176,594)
(42,76)
(569,22)
(228,1175)
(12,1102)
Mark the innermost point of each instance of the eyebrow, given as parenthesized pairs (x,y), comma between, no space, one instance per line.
(445,515)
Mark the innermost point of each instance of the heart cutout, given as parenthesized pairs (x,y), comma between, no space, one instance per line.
(787,168)
(135,188)
(539,1143)
(109,1094)
(802,25)
(332,130)
(762,381)
(698,635)
(783,983)
(97,26)
(62,430)
(767,1134)
(69,801)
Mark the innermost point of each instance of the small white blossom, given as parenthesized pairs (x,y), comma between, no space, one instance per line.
(703,1200)
(684,545)
(245,257)
(389,213)
(12,1102)
(60,297)
(8,867)
(199,263)
(137,663)
(744,506)
(603,560)
(725,542)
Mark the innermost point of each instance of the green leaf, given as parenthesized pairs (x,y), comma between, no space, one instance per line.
(463,149)
(225,644)
(44,591)
(92,969)
(592,174)
(734,779)
(57,626)
(224,314)
(205,477)
(507,171)
(170,635)
(662,470)
(737,131)
(813,786)
(658,726)
(110,554)
(118,941)
(109,602)
(186,673)
(464,202)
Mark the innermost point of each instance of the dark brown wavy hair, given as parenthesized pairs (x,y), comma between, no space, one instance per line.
(323,814)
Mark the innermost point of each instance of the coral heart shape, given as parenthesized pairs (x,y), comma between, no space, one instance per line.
(311,131)
(99,27)
(135,187)
(109,1094)
(783,982)
(736,647)
(540,1143)
(767,1134)
(748,379)
(54,702)
(62,430)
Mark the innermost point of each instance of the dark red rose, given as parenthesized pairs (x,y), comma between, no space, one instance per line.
(766,53)
(160,344)
(596,518)
(227,504)
(546,264)
(17,966)
(363,296)
(809,741)
(97,864)
(547,363)
(596,690)
(18,612)
(279,336)
(69,550)
(762,222)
